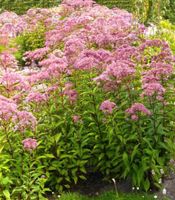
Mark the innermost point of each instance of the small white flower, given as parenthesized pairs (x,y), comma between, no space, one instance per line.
(153,172)
(133,188)
(161,171)
(138,188)
(164,191)
(155,196)
(59,196)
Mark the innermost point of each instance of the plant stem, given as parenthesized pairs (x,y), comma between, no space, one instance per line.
(8,140)
(30,178)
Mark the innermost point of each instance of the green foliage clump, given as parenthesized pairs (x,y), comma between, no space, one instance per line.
(166,31)
(29,41)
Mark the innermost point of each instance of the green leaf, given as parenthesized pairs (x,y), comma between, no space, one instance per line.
(146,184)
(6,181)
(134,152)
(57,137)
(75,179)
(125,159)
(6,194)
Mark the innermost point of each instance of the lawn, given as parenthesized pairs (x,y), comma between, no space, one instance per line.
(108,196)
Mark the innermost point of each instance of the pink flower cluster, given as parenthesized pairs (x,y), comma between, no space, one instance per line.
(115,74)
(96,25)
(36,16)
(137,108)
(8,109)
(9,113)
(55,65)
(107,106)
(52,68)
(30,144)
(153,89)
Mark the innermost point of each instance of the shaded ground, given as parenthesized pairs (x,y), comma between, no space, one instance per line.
(94,186)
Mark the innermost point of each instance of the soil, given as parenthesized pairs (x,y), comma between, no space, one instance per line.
(95,185)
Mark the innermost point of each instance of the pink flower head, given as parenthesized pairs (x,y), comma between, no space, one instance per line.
(30,144)
(36,97)
(25,120)
(8,109)
(137,108)
(76,118)
(107,106)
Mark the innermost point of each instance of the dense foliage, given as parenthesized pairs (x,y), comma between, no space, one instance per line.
(99,99)
(170,11)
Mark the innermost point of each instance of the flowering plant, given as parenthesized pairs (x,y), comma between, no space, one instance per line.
(99,99)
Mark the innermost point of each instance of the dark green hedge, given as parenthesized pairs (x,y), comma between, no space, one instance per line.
(125,4)
(20,6)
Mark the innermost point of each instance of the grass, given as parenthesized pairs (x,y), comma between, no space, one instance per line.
(107,196)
